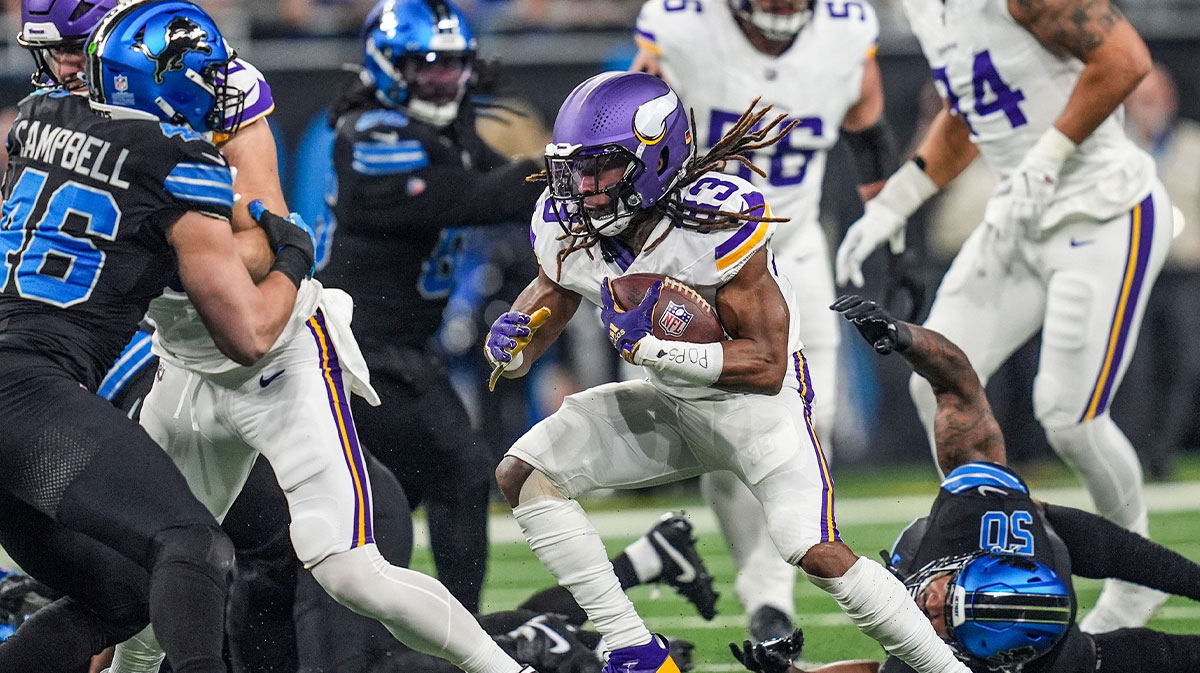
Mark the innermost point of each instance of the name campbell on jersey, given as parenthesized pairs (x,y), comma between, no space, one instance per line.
(707,58)
(705,261)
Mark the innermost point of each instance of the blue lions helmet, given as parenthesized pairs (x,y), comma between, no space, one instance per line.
(163,60)
(418,54)
(1001,608)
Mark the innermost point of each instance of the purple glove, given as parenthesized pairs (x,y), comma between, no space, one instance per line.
(502,338)
(627,328)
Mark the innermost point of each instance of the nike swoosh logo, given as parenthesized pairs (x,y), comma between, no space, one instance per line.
(264,381)
(216,159)
(1076,243)
(985,490)
(687,572)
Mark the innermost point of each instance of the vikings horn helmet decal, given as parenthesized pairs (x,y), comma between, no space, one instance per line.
(650,120)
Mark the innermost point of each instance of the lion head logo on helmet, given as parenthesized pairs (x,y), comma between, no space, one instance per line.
(183,36)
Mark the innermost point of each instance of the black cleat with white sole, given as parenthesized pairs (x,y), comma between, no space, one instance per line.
(682,567)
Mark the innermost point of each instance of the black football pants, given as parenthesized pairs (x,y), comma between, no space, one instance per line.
(96,510)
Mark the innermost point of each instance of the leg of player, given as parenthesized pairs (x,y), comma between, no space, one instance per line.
(111,590)
(666,553)
(314,450)
(792,481)
(765,582)
(989,304)
(183,414)
(109,481)
(620,434)
(1100,280)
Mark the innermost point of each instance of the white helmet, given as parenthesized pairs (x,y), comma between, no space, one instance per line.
(775,25)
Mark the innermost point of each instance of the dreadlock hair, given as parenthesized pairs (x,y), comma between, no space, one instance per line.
(744,137)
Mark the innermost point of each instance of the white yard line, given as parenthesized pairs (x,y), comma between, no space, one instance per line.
(1173,497)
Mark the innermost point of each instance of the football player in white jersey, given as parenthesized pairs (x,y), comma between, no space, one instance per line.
(213,415)
(628,195)
(815,61)
(1074,234)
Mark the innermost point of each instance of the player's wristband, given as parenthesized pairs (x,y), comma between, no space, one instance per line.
(293,263)
(1055,146)
(698,364)
(906,190)
(874,151)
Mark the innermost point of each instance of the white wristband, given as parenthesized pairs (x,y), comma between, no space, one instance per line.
(699,364)
(906,190)
(1055,146)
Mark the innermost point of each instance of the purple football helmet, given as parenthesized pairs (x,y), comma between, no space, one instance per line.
(57,24)
(778,20)
(620,144)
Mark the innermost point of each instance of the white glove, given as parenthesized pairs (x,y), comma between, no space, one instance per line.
(878,224)
(1033,182)
(883,220)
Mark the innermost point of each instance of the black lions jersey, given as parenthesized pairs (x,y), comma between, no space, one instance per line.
(401,190)
(83,247)
(986,506)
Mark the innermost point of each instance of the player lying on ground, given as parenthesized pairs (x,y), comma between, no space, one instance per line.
(628,195)
(103,208)
(1074,234)
(983,506)
(719,56)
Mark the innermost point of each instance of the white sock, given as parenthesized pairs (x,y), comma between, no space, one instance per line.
(567,543)
(139,654)
(644,558)
(415,608)
(880,607)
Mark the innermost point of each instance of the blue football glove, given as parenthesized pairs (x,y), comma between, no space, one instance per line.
(291,239)
(627,328)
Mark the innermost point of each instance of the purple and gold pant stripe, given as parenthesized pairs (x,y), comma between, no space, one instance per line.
(339,406)
(1141,236)
(829,529)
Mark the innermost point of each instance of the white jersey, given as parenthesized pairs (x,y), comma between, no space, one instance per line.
(704,261)
(180,336)
(711,64)
(1010,89)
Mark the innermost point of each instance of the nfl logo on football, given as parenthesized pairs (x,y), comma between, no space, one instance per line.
(121,83)
(674,319)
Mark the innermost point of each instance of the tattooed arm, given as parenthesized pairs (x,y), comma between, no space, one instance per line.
(964,428)
(1094,31)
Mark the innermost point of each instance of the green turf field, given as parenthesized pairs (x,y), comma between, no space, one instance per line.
(515,573)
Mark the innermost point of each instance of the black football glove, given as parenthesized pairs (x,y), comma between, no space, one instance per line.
(291,239)
(881,330)
(770,656)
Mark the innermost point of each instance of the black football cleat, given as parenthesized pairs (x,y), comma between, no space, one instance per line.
(682,567)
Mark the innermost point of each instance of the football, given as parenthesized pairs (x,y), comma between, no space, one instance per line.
(681,314)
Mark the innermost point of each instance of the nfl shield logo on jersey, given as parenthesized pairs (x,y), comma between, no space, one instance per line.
(674,319)
(121,83)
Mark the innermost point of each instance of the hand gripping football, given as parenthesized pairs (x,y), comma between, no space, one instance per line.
(681,314)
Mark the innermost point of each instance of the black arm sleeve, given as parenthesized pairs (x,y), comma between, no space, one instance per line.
(875,153)
(453,196)
(1101,549)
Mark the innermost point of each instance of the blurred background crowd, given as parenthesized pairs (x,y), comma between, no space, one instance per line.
(547,46)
